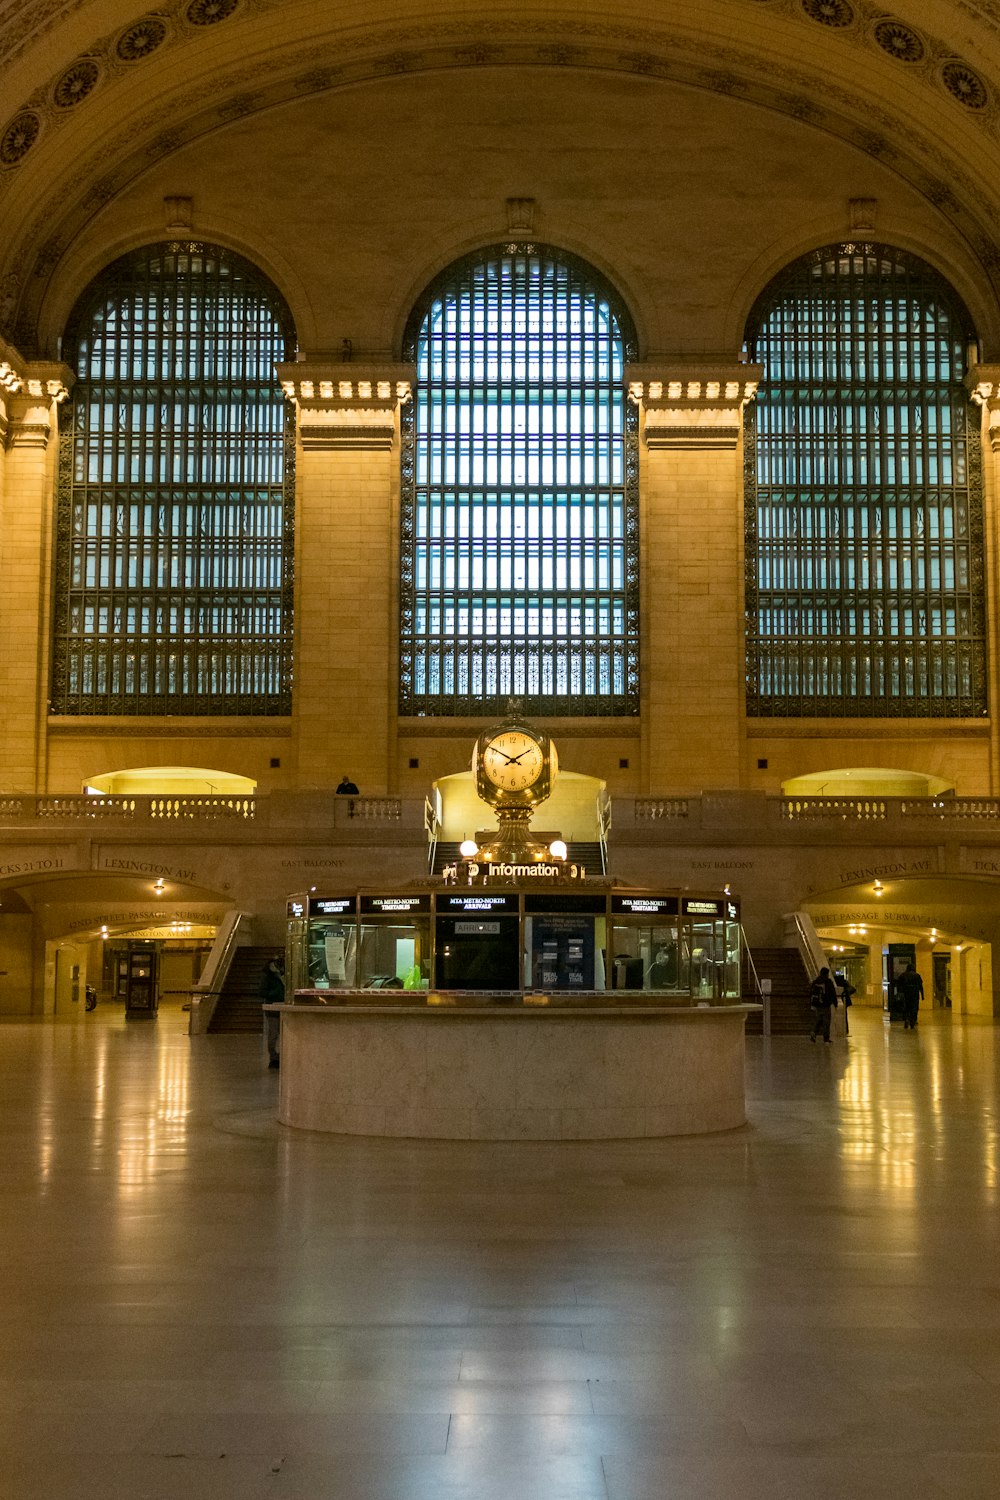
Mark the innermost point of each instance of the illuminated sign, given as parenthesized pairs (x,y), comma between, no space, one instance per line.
(555,901)
(296,908)
(645,906)
(476,903)
(697,908)
(389,905)
(331,906)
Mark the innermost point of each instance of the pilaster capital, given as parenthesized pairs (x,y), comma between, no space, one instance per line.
(346,405)
(983,385)
(692,404)
(29,390)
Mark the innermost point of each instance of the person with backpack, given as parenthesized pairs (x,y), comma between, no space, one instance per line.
(822,999)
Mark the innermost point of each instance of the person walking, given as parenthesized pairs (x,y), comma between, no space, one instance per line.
(910,989)
(847,990)
(822,999)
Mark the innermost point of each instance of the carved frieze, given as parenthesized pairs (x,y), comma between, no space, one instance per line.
(692,405)
(346,406)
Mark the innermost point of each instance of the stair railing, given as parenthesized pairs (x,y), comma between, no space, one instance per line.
(802,935)
(233,932)
(603,825)
(764,996)
(432,827)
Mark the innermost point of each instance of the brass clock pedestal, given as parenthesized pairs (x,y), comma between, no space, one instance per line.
(513,844)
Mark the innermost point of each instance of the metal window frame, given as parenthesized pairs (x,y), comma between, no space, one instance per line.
(413,702)
(843,634)
(236,660)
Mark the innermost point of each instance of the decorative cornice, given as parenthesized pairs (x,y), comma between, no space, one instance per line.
(346,406)
(701,384)
(692,406)
(983,384)
(346,386)
(30,390)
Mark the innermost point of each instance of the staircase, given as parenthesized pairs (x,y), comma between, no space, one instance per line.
(239,1002)
(588,855)
(790,1013)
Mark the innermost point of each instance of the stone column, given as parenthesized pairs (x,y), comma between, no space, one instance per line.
(30,397)
(693,708)
(346,569)
(983,384)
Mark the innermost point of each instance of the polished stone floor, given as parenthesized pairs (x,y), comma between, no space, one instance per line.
(199,1303)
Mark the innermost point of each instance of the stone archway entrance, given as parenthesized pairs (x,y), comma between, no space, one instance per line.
(60,933)
(950,925)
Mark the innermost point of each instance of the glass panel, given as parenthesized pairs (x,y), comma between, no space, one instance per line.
(332,956)
(174,534)
(519,508)
(733,974)
(706,960)
(651,957)
(864,497)
(395,955)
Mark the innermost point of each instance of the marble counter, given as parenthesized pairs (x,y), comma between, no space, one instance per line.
(512,1073)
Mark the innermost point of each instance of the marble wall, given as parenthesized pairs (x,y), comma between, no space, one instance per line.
(493,1075)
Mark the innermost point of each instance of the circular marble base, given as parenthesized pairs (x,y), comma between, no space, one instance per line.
(500,1075)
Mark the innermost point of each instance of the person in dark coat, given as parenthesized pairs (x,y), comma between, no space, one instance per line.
(847,990)
(822,998)
(272,992)
(910,989)
(347,788)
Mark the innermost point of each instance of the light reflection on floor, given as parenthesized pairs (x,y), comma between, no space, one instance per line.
(198,1302)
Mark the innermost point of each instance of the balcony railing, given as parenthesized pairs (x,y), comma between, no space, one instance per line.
(308,808)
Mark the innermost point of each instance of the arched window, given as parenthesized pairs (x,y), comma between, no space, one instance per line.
(519,549)
(864,529)
(174,532)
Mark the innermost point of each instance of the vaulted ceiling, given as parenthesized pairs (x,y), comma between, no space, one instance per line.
(390,116)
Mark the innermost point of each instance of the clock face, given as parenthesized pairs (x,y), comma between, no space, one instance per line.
(513,761)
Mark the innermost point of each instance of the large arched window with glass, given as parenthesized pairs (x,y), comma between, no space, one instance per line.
(519,554)
(864,528)
(173,580)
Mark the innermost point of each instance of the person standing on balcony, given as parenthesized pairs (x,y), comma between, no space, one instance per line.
(347,788)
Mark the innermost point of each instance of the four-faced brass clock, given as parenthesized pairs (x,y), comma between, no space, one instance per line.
(515,765)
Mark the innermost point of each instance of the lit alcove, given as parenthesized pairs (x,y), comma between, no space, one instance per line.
(170,781)
(571,811)
(867,781)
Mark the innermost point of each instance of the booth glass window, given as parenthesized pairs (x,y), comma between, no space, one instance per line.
(394,954)
(332,953)
(173,577)
(864,501)
(519,503)
(650,956)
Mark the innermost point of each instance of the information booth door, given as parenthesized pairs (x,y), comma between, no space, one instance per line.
(141,992)
(477,942)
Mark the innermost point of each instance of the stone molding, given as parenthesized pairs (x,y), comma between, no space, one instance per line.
(28,392)
(346,406)
(694,406)
(983,384)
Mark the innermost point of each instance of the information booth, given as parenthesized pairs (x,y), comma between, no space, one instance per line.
(539,1008)
(679,947)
